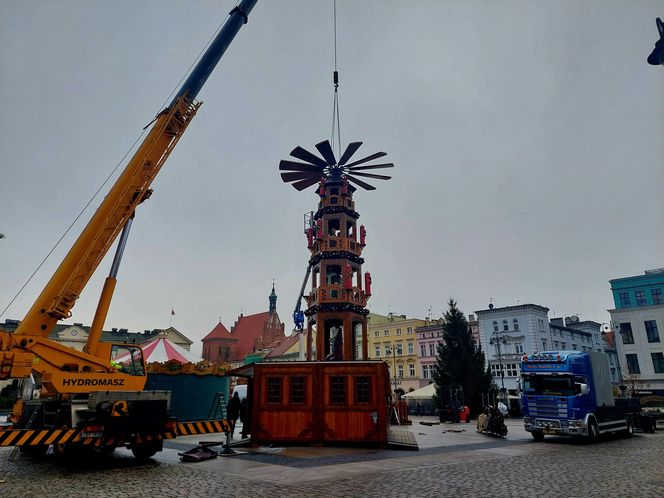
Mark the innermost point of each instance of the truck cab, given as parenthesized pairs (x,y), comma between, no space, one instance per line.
(569,393)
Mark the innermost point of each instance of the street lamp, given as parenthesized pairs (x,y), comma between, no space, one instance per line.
(394,366)
(497,340)
(656,58)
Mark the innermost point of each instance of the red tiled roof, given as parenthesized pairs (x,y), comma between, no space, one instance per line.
(246,330)
(283,346)
(219,332)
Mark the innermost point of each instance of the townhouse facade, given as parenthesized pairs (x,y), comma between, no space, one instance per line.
(392,338)
(638,320)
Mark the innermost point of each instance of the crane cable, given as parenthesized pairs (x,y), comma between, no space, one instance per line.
(336,125)
(110,175)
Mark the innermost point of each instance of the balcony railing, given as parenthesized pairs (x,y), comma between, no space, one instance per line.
(329,244)
(336,294)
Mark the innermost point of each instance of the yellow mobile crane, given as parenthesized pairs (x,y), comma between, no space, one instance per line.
(95,398)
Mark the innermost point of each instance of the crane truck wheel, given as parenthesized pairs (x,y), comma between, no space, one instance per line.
(145,451)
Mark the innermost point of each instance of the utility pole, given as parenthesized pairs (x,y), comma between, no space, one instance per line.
(497,339)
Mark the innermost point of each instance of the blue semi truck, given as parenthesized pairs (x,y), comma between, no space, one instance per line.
(569,393)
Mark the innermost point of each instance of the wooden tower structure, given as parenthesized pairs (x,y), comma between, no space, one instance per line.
(336,305)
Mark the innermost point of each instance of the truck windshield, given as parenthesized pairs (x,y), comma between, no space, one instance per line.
(127,359)
(549,385)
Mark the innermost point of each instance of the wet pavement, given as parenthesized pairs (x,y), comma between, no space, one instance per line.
(453,460)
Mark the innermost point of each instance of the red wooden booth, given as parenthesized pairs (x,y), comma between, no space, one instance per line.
(318,402)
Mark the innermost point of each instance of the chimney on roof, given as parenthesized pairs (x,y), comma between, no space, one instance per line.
(123,331)
(114,330)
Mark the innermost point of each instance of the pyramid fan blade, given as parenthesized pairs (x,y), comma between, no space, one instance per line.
(360,183)
(350,150)
(305,155)
(368,158)
(325,150)
(293,166)
(290,177)
(369,175)
(302,184)
(373,166)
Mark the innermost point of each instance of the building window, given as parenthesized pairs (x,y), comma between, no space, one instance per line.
(399,349)
(432,350)
(556,344)
(495,326)
(506,326)
(425,371)
(543,344)
(574,346)
(624,300)
(657,296)
(400,371)
(388,349)
(411,348)
(640,298)
(362,390)
(632,363)
(338,390)
(423,350)
(398,331)
(274,390)
(512,370)
(377,350)
(563,345)
(651,330)
(626,333)
(386,333)
(515,322)
(376,333)
(410,330)
(658,362)
(411,369)
(297,393)
(518,347)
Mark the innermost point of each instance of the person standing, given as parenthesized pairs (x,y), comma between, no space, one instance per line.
(233,411)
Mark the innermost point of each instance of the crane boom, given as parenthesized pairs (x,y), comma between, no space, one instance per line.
(65,286)
(28,348)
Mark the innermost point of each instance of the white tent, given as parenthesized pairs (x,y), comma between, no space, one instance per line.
(426,392)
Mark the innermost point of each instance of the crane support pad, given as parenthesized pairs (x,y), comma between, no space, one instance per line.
(196,428)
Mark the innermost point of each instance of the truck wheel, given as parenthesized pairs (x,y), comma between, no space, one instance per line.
(144,451)
(593,432)
(538,436)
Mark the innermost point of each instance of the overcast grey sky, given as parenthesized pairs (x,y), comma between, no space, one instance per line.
(528,139)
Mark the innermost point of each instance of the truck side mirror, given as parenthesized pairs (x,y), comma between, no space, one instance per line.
(584,388)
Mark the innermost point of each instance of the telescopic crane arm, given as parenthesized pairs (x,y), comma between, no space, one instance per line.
(17,350)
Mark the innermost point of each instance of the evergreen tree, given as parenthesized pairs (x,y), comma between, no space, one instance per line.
(460,363)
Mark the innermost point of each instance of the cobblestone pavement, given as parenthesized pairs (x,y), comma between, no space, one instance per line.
(453,461)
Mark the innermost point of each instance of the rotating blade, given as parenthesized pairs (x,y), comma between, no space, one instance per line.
(305,155)
(360,183)
(294,166)
(325,150)
(302,184)
(368,158)
(369,175)
(350,150)
(373,166)
(289,177)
